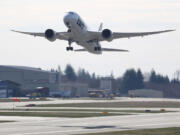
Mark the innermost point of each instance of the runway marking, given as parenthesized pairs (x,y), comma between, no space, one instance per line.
(48,132)
(78,130)
(156,124)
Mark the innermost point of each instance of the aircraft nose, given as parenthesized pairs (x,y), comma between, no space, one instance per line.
(67,20)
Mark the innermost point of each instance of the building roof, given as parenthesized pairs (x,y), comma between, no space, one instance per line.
(7,82)
(25,68)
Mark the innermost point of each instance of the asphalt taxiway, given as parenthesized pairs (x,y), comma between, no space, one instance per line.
(66,126)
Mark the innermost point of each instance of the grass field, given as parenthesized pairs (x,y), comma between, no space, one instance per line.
(147,104)
(162,131)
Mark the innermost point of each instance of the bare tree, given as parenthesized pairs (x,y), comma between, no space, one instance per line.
(177,75)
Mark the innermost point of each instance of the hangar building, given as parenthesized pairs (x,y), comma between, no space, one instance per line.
(30,78)
(146,93)
(106,84)
(74,89)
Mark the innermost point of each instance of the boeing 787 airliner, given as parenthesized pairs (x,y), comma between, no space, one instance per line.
(90,40)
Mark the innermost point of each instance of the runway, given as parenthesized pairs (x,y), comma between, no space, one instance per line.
(67,126)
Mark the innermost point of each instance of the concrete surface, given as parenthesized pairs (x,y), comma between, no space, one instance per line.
(67,126)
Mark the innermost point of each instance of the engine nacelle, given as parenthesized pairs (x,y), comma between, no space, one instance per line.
(50,35)
(107,35)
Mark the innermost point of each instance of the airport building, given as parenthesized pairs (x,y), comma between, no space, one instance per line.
(9,89)
(30,78)
(106,85)
(145,93)
(74,89)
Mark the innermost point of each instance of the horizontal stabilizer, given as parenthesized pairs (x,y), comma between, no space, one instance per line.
(104,50)
(80,50)
(113,50)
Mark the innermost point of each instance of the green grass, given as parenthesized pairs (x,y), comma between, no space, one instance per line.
(149,104)
(161,131)
(57,114)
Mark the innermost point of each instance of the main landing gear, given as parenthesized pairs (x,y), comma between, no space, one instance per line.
(97,48)
(69,48)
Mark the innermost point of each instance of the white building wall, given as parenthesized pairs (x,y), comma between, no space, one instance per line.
(146,93)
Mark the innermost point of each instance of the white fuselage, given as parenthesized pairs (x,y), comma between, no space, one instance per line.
(79,34)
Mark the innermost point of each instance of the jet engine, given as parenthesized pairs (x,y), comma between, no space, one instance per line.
(50,35)
(107,35)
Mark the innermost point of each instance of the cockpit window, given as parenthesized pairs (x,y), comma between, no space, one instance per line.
(71,12)
(67,23)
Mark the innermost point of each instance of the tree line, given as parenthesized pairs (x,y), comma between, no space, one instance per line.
(131,80)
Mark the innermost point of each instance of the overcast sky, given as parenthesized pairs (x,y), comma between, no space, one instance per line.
(160,52)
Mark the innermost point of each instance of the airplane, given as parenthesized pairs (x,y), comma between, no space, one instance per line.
(90,40)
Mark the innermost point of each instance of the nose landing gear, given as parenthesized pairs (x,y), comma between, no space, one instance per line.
(69,30)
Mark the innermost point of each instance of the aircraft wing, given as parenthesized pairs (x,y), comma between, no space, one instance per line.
(104,50)
(116,35)
(141,34)
(59,35)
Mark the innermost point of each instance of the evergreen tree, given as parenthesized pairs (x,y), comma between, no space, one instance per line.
(140,79)
(128,81)
(83,76)
(152,76)
(175,81)
(157,78)
(70,74)
(132,80)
